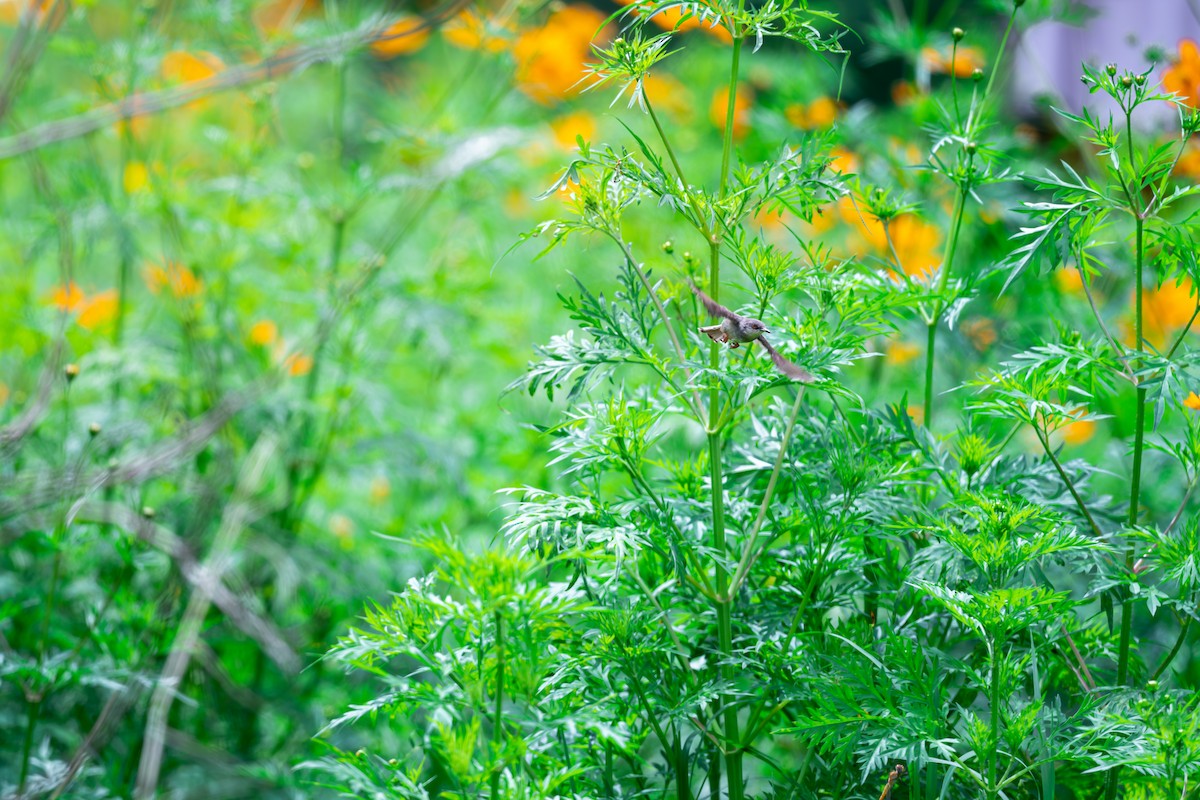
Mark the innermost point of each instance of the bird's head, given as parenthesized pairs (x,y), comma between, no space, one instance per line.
(756,327)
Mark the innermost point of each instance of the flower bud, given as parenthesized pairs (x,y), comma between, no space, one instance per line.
(148,512)
(972,148)
(958,34)
(668,247)
(1018,3)
(1126,81)
(1140,80)
(977,75)
(94,429)
(1111,69)
(72,372)
(688,258)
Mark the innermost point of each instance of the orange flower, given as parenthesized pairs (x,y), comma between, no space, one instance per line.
(1069,281)
(916,244)
(1166,309)
(665,93)
(669,20)
(1183,76)
(980,332)
(98,310)
(406,35)
(899,353)
(181,281)
(1188,165)
(1078,432)
(181,67)
(4,392)
(917,413)
(844,161)
(1192,401)
(263,333)
(718,110)
(865,225)
(903,93)
(11,11)
(298,364)
(568,126)
(820,113)
(962,63)
(67,298)
(470,31)
(551,59)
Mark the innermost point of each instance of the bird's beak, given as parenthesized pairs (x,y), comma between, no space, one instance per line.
(766,330)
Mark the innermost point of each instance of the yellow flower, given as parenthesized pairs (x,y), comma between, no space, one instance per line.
(718,110)
(406,35)
(844,161)
(11,11)
(917,413)
(263,333)
(1192,401)
(178,278)
(98,310)
(4,392)
(1078,432)
(136,177)
(1183,76)
(899,353)
(568,126)
(964,61)
(470,31)
(551,59)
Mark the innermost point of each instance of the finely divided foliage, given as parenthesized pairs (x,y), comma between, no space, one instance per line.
(745,586)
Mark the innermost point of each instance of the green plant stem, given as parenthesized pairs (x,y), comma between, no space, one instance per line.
(701,223)
(994,706)
(1135,486)
(960,203)
(498,718)
(735,787)
(1166,662)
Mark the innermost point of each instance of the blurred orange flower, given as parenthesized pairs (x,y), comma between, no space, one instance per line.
(381,489)
(962,62)
(551,59)
(1192,401)
(470,31)
(669,20)
(666,93)
(568,126)
(182,67)
(718,110)
(98,310)
(916,243)
(263,333)
(1183,76)
(820,113)
(298,364)
(4,392)
(1078,432)
(899,353)
(406,35)
(1068,280)
(91,312)
(12,10)
(178,278)
(1188,165)
(1165,310)
(980,332)
(844,161)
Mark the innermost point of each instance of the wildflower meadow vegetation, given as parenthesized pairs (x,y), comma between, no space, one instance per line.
(359,437)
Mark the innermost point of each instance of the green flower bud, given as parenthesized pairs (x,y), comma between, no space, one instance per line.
(668,247)
(148,512)
(958,34)
(1126,81)
(977,75)
(72,372)
(1111,69)
(94,429)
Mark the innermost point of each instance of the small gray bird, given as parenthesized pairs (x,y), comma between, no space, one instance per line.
(736,330)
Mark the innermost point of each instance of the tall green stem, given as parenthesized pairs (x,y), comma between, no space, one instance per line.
(724,603)
(1135,487)
(498,718)
(994,701)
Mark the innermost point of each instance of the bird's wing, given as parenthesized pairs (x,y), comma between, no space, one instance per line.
(793,371)
(714,308)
